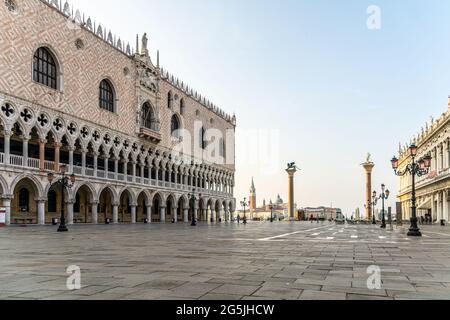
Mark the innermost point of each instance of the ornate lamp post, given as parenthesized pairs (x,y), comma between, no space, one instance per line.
(373,204)
(383,196)
(245,204)
(194,200)
(66,182)
(271,211)
(415,168)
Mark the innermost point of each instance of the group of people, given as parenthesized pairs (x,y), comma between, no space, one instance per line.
(238,219)
(426,219)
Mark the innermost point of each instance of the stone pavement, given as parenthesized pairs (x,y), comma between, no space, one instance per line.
(224,262)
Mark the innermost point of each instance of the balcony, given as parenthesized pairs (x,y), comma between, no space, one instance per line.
(17,162)
(151,133)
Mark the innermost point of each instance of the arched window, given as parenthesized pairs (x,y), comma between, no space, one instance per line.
(44,68)
(202,138)
(182,107)
(106,96)
(52,201)
(175,126)
(222,150)
(24,200)
(169,99)
(77,204)
(148,119)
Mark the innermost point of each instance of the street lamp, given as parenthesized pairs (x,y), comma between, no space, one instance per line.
(415,168)
(194,200)
(244,204)
(373,204)
(66,182)
(383,196)
(271,211)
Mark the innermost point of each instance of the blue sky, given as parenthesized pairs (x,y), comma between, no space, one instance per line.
(311,70)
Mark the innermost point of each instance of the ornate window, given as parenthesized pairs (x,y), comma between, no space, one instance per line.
(44,68)
(106,96)
(222,148)
(182,107)
(24,200)
(11,5)
(202,138)
(148,119)
(169,99)
(175,126)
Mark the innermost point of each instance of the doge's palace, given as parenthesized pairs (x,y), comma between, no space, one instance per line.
(143,145)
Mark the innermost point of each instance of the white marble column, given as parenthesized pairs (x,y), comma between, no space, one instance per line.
(25,151)
(221,215)
(83,161)
(7,206)
(133,214)
(41,212)
(7,141)
(95,163)
(94,210)
(115,207)
(445,206)
(71,150)
(186,215)
(149,213)
(116,168)
(69,206)
(211,215)
(162,214)
(175,214)
(133,164)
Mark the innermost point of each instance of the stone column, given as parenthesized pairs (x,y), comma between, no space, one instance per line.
(71,150)
(291,173)
(196,214)
(69,207)
(94,209)
(439,205)
(106,165)
(149,214)
(42,143)
(57,159)
(125,170)
(95,163)
(368,167)
(116,168)
(83,161)
(186,215)
(133,213)
(220,215)
(41,211)
(134,170)
(142,172)
(7,139)
(446,205)
(25,151)
(211,215)
(162,214)
(7,205)
(115,213)
(175,214)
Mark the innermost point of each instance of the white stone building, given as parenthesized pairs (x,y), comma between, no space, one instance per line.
(73,93)
(432,190)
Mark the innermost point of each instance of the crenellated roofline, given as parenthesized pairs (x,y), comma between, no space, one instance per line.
(79,20)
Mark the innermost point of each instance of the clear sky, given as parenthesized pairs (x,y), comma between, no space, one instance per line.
(309,72)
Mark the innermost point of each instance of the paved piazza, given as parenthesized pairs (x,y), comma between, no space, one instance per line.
(224,262)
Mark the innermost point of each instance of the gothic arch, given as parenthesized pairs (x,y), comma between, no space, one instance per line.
(93,194)
(35,183)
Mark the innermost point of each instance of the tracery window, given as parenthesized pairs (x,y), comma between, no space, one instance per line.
(44,68)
